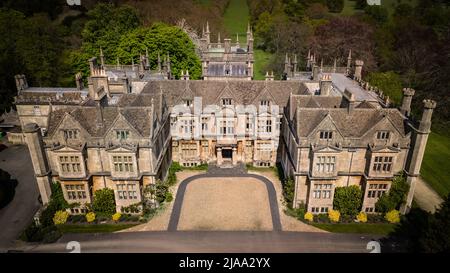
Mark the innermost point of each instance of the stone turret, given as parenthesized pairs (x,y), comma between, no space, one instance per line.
(41,167)
(294,63)
(207,34)
(408,93)
(358,69)
(308,61)
(417,150)
(325,85)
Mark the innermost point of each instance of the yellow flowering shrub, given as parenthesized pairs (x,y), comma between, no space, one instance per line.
(334,215)
(309,216)
(116,216)
(362,217)
(90,217)
(60,217)
(393,216)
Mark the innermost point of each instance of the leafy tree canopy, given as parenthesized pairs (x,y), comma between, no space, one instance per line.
(347,200)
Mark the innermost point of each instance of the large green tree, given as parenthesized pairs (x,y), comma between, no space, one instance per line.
(347,200)
(160,39)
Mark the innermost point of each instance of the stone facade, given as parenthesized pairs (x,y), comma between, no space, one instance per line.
(325,126)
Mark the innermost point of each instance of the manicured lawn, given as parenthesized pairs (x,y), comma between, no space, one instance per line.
(262,59)
(436,163)
(94,228)
(236,18)
(382,229)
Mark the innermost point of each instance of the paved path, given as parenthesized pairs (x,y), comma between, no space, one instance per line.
(426,197)
(211,242)
(176,212)
(18,214)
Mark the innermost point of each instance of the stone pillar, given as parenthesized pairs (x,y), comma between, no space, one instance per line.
(415,156)
(358,69)
(234,156)
(41,168)
(315,75)
(325,85)
(408,93)
(219,156)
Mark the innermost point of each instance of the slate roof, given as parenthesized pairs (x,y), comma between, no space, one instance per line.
(351,124)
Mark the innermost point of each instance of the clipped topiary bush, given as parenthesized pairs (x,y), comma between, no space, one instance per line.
(90,217)
(362,217)
(60,217)
(309,216)
(104,202)
(347,200)
(334,215)
(116,216)
(393,216)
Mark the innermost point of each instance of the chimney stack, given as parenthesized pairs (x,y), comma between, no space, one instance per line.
(315,75)
(325,85)
(227,44)
(350,100)
(408,93)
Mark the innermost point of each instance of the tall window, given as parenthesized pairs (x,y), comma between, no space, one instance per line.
(264,149)
(383,164)
(265,126)
(227,127)
(122,134)
(264,102)
(205,124)
(37,110)
(123,163)
(71,134)
(376,190)
(70,164)
(226,101)
(127,191)
(75,192)
(326,134)
(248,124)
(188,102)
(187,126)
(322,191)
(383,135)
(325,164)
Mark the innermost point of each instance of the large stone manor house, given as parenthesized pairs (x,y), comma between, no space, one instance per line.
(324,125)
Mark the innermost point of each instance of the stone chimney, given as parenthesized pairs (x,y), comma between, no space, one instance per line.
(21,82)
(79,81)
(315,74)
(325,85)
(358,69)
(408,93)
(350,100)
(207,34)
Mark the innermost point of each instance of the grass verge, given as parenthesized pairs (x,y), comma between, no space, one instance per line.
(366,228)
(97,228)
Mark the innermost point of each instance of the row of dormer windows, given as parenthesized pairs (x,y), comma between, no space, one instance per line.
(380,135)
(227,101)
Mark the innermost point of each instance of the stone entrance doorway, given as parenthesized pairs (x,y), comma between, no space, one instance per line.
(227,154)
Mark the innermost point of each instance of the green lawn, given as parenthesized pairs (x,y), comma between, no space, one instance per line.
(382,229)
(349,6)
(436,163)
(236,18)
(93,228)
(262,59)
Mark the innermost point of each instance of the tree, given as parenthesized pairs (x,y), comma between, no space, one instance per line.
(161,39)
(335,39)
(395,197)
(7,188)
(347,200)
(378,13)
(104,202)
(335,5)
(389,82)
(289,191)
